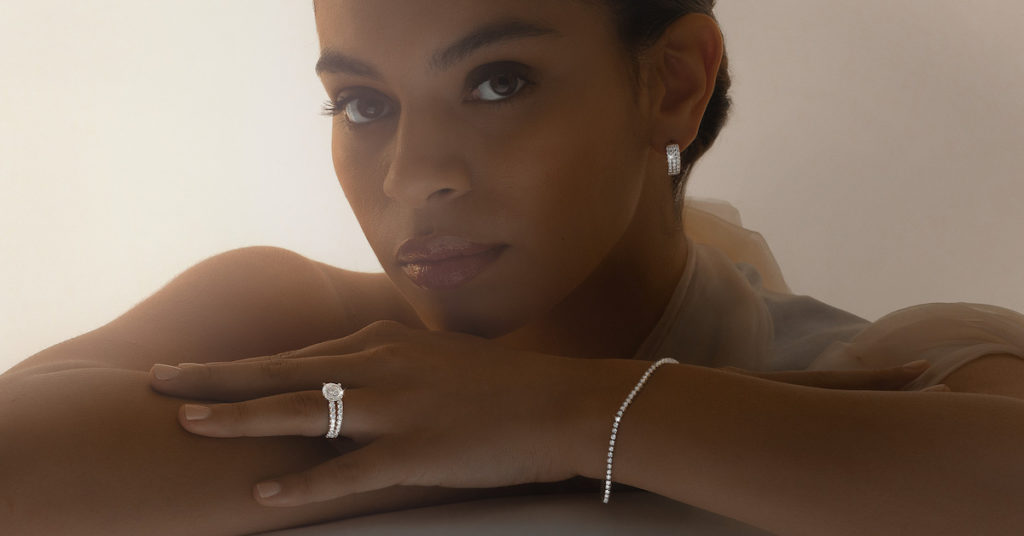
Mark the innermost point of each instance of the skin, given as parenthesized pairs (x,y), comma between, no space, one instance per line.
(579,222)
(418,159)
(590,231)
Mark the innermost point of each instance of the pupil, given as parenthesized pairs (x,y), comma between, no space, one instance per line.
(503,85)
(369,110)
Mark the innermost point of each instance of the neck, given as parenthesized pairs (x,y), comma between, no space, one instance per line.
(613,311)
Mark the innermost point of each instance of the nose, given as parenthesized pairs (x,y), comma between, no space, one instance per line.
(426,168)
(420,182)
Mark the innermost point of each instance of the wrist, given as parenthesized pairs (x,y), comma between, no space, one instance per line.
(599,386)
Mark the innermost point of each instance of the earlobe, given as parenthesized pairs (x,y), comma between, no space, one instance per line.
(685,63)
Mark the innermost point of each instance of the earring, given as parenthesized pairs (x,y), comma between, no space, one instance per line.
(674,160)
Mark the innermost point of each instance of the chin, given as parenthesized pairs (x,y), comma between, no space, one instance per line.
(468,324)
(487,322)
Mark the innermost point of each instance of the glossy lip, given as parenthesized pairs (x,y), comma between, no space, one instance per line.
(451,272)
(435,248)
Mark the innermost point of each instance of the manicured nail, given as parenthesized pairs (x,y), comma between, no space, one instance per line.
(916,366)
(195,413)
(268,489)
(165,372)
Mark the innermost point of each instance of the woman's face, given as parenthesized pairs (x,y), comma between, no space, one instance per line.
(529,138)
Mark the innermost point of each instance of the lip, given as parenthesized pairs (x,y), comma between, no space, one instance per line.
(435,248)
(445,262)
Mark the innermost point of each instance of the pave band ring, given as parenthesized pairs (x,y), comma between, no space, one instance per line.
(333,393)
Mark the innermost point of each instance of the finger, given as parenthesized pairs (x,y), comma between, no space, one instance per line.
(876,379)
(302,413)
(379,332)
(234,381)
(369,468)
(938,388)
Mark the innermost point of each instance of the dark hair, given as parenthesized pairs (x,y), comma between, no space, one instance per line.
(640,24)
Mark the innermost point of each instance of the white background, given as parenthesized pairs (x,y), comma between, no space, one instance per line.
(876,144)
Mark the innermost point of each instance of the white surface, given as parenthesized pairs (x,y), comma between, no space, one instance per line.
(874,144)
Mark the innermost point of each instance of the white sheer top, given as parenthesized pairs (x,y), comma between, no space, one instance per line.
(734,306)
(730,307)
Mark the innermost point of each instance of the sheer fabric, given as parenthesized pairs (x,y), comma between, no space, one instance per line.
(809,334)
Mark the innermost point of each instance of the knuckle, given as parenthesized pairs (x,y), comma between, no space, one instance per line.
(387,353)
(336,471)
(238,414)
(387,327)
(304,485)
(284,355)
(390,359)
(298,403)
(200,373)
(275,367)
(324,484)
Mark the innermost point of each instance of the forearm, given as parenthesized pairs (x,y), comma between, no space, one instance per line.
(96,451)
(800,460)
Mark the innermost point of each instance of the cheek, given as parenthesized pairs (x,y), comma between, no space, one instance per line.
(359,179)
(354,173)
(579,180)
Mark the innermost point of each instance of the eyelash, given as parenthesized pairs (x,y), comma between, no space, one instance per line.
(484,74)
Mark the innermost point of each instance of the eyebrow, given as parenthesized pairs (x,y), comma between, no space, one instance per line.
(332,61)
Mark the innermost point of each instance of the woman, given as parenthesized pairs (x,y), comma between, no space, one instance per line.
(475,130)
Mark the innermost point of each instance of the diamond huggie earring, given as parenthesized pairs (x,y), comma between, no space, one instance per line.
(674,160)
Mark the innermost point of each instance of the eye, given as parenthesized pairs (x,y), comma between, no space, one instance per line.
(494,82)
(497,81)
(358,110)
(502,86)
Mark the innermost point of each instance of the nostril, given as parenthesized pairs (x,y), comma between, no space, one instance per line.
(443,192)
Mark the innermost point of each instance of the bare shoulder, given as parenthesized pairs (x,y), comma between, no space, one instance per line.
(345,298)
(251,301)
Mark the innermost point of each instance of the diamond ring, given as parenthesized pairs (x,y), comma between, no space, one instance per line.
(333,393)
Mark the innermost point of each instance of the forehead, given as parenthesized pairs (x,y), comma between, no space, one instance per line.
(409,32)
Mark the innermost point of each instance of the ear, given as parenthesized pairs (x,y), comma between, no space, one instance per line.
(682,67)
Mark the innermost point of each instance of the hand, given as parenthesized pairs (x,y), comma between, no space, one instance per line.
(428,409)
(887,379)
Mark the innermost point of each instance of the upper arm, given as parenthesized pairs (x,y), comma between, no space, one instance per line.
(996,374)
(245,302)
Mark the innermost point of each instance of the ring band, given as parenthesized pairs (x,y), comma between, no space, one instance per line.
(333,393)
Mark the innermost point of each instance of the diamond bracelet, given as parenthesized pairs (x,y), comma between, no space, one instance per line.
(618,417)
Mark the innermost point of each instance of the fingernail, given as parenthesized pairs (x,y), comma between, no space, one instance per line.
(195,413)
(916,366)
(165,372)
(938,387)
(268,489)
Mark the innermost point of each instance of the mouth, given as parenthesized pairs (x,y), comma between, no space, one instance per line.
(445,262)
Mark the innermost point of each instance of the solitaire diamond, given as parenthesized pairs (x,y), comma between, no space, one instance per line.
(333,391)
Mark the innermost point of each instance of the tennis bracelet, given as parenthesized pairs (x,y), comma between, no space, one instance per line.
(618,417)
